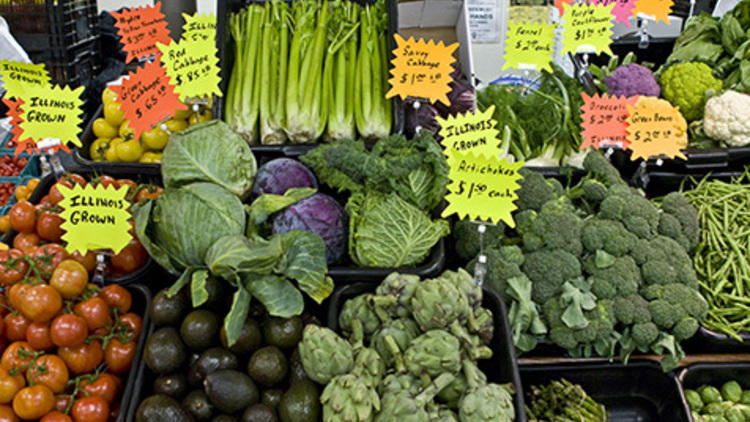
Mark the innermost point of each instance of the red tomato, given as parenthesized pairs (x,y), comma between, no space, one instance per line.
(49,370)
(68,330)
(7,415)
(26,242)
(119,356)
(41,303)
(33,402)
(15,327)
(95,311)
(17,355)
(134,324)
(23,217)
(82,358)
(131,258)
(90,409)
(48,226)
(37,334)
(105,386)
(48,257)
(88,261)
(116,296)
(12,269)
(56,416)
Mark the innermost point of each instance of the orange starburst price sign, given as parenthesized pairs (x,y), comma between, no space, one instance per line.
(656,128)
(604,120)
(140,29)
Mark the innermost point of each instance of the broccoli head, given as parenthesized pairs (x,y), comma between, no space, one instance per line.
(548,269)
(607,235)
(635,211)
(555,226)
(631,309)
(669,226)
(622,278)
(644,334)
(688,298)
(466,234)
(563,337)
(685,328)
(676,205)
(666,254)
(601,169)
(594,191)
(503,263)
(535,190)
(552,311)
(664,314)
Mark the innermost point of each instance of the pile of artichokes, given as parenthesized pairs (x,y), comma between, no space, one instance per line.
(410,355)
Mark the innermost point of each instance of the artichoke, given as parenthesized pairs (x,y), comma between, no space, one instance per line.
(401,330)
(485,402)
(395,292)
(433,353)
(466,285)
(483,324)
(451,394)
(324,354)
(441,414)
(394,383)
(348,398)
(358,318)
(369,366)
(437,304)
(402,406)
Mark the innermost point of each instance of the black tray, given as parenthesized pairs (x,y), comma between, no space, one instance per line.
(705,160)
(639,391)
(502,368)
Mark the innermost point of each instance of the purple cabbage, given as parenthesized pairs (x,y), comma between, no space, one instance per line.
(631,80)
(318,214)
(276,176)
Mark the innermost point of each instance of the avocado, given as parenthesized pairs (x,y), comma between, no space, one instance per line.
(165,310)
(300,403)
(196,402)
(214,359)
(250,338)
(283,332)
(271,397)
(230,391)
(161,408)
(225,418)
(296,370)
(173,385)
(267,366)
(164,352)
(216,294)
(200,329)
(259,413)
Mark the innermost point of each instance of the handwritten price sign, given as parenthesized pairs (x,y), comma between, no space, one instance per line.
(604,120)
(622,10)
(199,27)
(193,67)
(140,29)
(470,132)
(657,9)
(421,69)
(52,112)
(529,45)
(17,77)
(656,128)
(587,28)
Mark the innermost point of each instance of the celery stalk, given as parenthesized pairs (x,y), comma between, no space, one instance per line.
(247,109)
(303,18)
(270,131)
(342,74)
(237,29)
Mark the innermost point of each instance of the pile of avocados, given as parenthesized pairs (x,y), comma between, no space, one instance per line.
(196,377)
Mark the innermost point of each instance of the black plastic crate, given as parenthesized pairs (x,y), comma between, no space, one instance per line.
(501,368)
(639,391)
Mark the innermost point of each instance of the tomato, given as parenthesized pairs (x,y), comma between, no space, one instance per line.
(17,355)
(129,151)
(22,193)
(9,386)
(98,148)
(33,402)
(88,261)
(56,416)
(41,303)
(15,327)
(48,257)
(2,325)
(12,269)
(16,292)
(108,96)
(111,153)
(148,192)
(7,415)
(102,129)
(23,217)
(125,182)
(90,409)
(49,370)
(94,311)
(62,401)
(130,258)
(113,115)
(182,114)
(48,226)
(155,138)
(176,125)
(105,386)
(25,242)
(69,278)
(105,181)
(149,157)
(116,296)
(68,330)
(82,358)
(134,324)
(4,223)
(38,336)
(119,356)
(126,132)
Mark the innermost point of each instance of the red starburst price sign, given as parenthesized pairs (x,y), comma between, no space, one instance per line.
(140,29)
(604,120)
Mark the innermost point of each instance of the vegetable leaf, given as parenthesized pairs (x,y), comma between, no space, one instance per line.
(237,315)
(278,295)
(232,256)
(267,204)
(198,291)
(305,261)
(332,176)
(141,218)
(181,282)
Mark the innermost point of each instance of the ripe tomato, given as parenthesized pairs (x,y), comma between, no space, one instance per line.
(9,386)
(49,370)
(68,330)
(23,217)
(105,386)
(104,181)
(26,242)
(61,402)
(12,269)
(17,355)
(7,415)
(130,258)
(73,179)
(88,261)
(16,293)
(90,409)
(82,358)
(94,311)
(15,327)
(54,196)
(41,303)
(33,402)
(119,356)
(48,226)
(134,324)
(148,192)
(2,324)
(69,278)
(48,257)
(116,296)
(125,182)
(38,336)
(56,416)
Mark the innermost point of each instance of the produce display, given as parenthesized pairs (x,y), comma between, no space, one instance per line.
(410,352)
(22,193)
(563,401)
(728,402)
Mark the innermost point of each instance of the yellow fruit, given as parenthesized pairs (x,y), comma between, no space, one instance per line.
(183,114)
(102,129)
(129,151)
(126,131)
(22,193)
(201,117)
(150,157)
(4,224)
(98,148)
(108,96)
(155,138)
(176,125)
(32,184)
(111,154)
(113,115)
(3,247)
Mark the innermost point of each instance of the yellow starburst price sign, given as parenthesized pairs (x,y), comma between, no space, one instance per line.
(470,132)
(482,188)
(18,77)
(587,28)
(529,45)
(193,67)
(95,217)
(52,112)
(199,27)
(656,128)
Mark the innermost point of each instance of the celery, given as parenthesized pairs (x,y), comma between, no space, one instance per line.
(245,112)
(237,29)
(339,71)
(271,60)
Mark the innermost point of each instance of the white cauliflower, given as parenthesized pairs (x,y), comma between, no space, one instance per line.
(727,118)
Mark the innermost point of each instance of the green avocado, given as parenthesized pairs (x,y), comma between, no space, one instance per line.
(271,398)
(296,370)
(267,366)
(166,310)
(197,403)
(300,403)
(161,408)
(283,332)
(200,329)
(230,391)
(259,413)
(164,352)
(214,359)
(250,338)
(173,385)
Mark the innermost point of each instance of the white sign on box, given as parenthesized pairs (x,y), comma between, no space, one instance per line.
(483,21)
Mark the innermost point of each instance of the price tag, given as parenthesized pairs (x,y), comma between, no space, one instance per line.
(140,29)
(18,77)
(656,128)
(658,10)
(482,188)
(199,28)
(587,28)
(192,66)
(52,112)
(421,69)
(560,5)
(622,11)
(470,132)
(603,120)
(95,217)
(147,97)
(529,45)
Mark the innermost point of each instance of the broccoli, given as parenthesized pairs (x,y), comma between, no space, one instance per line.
(670,256)
(631,309)
(677,205)
(634,210)
(685,328)
(652,292)
(664,314)
(669,226)
(607,235)
(563,337)
(594,191)
(555,226)
(535,190)
(657,272)
(622,278)
(503,263)
(548,269)
(639,251)
(466,234)
(553,310)
(601,169)
(687,298)
(644,334)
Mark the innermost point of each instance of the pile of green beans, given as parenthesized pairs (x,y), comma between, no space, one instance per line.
(721,259)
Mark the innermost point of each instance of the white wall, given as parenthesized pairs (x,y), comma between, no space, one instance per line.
(203,6)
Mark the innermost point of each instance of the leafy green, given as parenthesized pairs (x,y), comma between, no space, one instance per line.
(267,204)
(277,294)
(235,319)
(232,256)
(198,291)
(301,262)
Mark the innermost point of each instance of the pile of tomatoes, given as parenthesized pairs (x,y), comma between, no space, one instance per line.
(12,166)
(38,226)
(66,343)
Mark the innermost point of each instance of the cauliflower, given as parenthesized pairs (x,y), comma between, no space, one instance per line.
(632,80)
(685,85)
(727,118)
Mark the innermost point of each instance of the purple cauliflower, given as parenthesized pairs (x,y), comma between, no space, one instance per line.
(318,214)
(632,80)
(276,176)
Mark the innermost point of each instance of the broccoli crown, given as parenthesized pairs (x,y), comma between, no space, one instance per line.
(631,309)
(503,263)
(594,191)
(563,337)
(677,205)
(685,328)
(644,334)
(670,227)
(552,311)
(664,314)
(601,169)
(466,234)
(555,226)
(687,298)
(548,269)
(666,255)
(607,235)
(535,190)
(622,278)
(635,211)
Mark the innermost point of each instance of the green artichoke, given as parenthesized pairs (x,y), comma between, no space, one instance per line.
(451,394)
(485,402)
(466,285)
(369,366)
(358,318)
(437,304)
(433,353)
(394,383)
(441,414)
(402,406)
(395,292)
(401,330)
(348,398)
(324,354)
(483,324)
